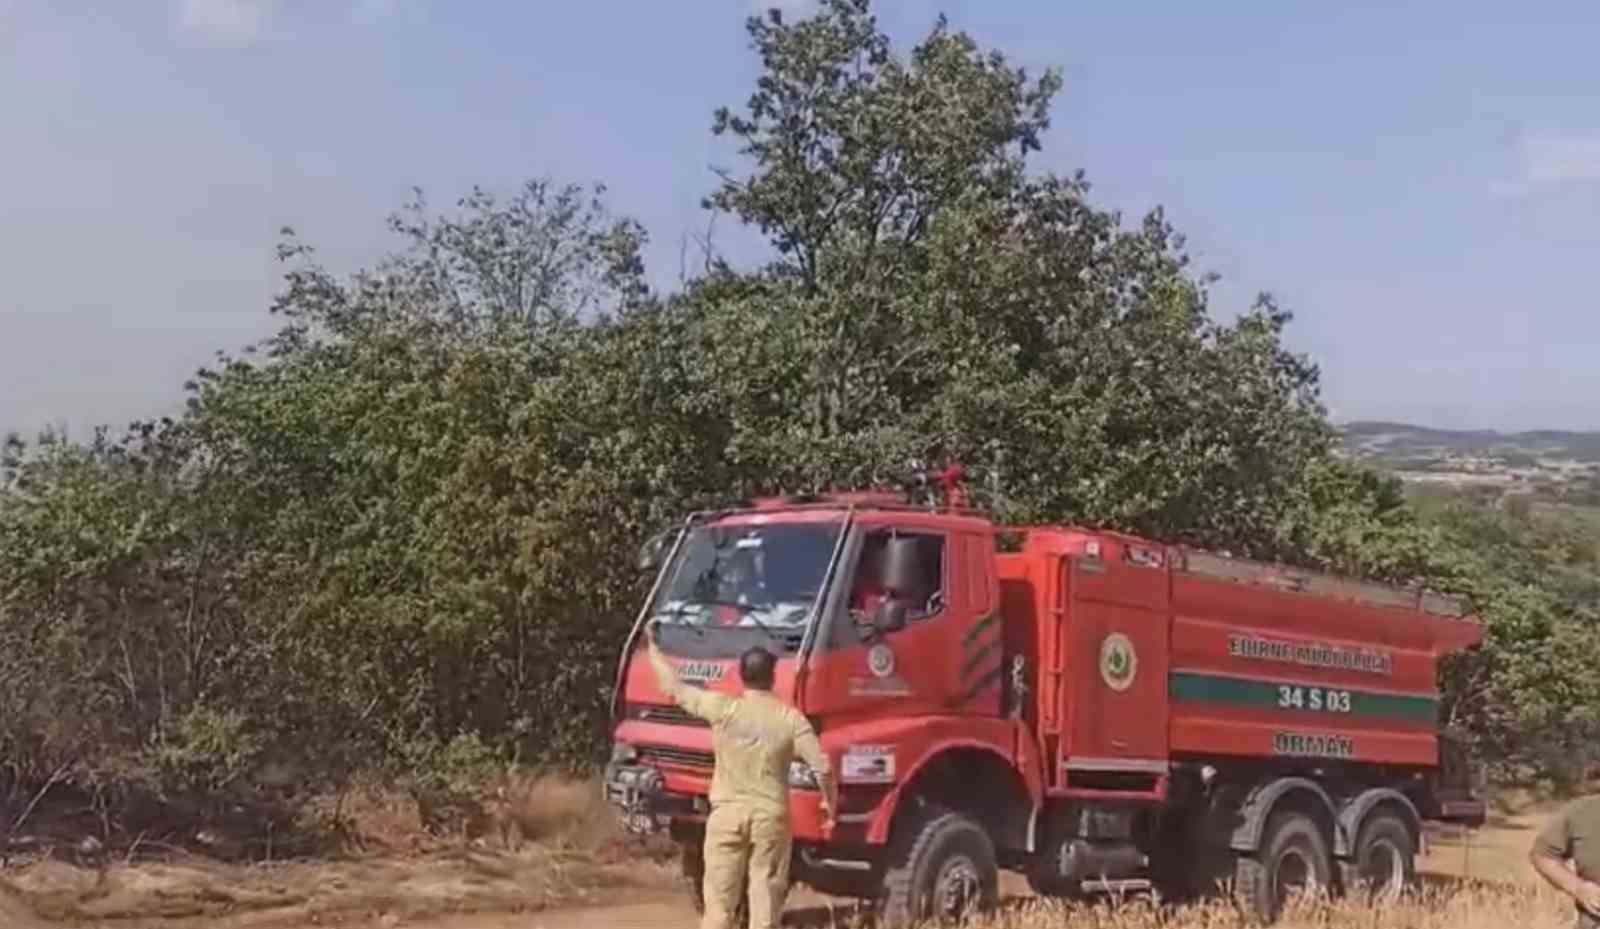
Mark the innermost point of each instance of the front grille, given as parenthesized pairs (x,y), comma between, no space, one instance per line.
(669,715)
(676,757)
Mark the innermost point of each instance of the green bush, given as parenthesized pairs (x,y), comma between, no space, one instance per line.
(397,537)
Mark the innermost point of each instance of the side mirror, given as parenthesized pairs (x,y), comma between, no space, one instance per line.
(653,551)
(905,570)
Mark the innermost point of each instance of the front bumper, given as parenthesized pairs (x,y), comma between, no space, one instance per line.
(648,800)
(638,796)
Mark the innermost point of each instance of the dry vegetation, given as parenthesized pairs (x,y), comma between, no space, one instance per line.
(1469,881)
(524,845)
(545,845)
(1462,907)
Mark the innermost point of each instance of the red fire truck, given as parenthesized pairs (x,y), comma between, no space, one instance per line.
(1095,711)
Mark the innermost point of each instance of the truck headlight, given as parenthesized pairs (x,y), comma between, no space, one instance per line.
(623,753)
(801,777)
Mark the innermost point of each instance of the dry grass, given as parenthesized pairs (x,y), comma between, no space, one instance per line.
(1469,880)
(14,910)
(1454,907)
(1498,854)
(531,844)
(536,844)
(522,809)
(465,881)
(508,813)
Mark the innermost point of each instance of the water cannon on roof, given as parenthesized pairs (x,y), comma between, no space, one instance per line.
(948,483)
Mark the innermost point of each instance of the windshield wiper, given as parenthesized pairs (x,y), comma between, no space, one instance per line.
(677,614)
(750,610)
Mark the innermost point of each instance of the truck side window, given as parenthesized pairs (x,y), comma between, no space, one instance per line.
(925,596)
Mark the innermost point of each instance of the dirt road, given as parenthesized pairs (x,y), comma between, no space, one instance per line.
(659,914)
(652,915)
(1496,854)
(397,896)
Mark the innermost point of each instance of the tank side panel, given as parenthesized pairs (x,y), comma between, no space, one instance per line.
(1259,672)
(1117,629)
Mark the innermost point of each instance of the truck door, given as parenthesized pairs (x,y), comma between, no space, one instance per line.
(930,660)
(1117,623)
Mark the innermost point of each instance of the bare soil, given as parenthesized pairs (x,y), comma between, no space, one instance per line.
(552,885)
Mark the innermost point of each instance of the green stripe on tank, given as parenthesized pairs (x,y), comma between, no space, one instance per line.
(1304,699)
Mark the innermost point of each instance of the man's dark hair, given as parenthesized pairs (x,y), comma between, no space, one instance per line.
(757,668)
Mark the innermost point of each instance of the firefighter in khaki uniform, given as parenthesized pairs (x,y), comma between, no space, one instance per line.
(1566,852)
(755,737)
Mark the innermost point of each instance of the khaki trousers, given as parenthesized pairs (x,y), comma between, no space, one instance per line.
(743,843)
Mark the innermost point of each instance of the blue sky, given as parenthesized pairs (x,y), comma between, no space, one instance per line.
(1419,182)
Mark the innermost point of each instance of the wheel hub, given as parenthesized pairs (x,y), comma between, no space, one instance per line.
(1294,875)
(1383,867)
(958,887)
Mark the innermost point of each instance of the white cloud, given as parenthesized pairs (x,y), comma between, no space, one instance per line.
(1548,161)
(1561,159)
(235,23)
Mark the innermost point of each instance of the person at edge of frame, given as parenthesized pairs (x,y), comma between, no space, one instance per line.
(1566,853)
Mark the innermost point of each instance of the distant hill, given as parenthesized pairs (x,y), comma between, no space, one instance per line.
(1550,463)
(1389,440)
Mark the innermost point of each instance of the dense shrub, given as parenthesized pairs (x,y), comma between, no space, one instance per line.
(397,537)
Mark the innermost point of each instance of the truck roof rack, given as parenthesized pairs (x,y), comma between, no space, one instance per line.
(1245,571)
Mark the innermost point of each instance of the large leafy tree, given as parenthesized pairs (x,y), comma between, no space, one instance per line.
(1531,694)
(389,530)
(931,297)
(399,534)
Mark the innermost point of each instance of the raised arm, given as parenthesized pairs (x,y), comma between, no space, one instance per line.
(707,706)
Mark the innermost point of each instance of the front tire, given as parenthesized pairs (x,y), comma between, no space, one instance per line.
(1293,858)
(1385,860)
(942,866)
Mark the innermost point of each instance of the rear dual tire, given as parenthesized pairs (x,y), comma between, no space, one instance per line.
(1294,858)
(1385,859)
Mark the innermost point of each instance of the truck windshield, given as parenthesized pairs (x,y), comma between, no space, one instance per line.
(747,576)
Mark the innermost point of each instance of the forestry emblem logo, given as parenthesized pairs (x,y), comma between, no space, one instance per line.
(1119,662)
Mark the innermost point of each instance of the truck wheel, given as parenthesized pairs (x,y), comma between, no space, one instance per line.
(1293,857)
(1385,860)
(943,865)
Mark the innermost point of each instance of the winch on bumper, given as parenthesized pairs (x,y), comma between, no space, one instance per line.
(637,792)
(654,788)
